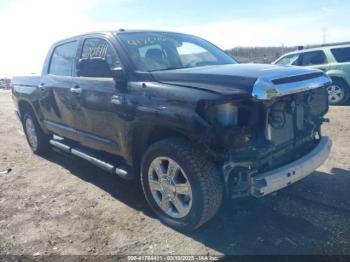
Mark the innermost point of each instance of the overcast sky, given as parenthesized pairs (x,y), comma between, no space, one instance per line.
(29,27)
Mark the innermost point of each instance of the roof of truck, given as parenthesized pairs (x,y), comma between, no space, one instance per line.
(114,32)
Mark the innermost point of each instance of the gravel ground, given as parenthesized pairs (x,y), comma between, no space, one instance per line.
(63,205)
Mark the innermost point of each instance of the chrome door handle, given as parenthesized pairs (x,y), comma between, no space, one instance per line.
(116,100)
(76,90)
(42,87)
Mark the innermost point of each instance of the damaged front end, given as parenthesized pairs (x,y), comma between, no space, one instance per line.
(273,139)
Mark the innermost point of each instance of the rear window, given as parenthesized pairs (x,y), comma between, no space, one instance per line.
(341,54)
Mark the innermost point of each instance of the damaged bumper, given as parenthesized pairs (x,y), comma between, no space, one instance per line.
(268,182)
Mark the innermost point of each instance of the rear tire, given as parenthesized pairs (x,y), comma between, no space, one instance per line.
(194,185)
(38,141)
(338,92)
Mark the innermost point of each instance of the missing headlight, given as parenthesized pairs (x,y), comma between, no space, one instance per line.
(227,115)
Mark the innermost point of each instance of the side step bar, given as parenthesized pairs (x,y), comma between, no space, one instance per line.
(84,154)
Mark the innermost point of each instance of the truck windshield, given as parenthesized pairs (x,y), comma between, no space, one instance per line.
(156,51)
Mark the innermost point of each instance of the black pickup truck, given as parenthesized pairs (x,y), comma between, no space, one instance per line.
(180,115)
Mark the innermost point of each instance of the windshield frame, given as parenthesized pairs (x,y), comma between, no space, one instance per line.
(119,35)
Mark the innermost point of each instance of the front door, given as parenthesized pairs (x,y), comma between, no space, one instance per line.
(97,118)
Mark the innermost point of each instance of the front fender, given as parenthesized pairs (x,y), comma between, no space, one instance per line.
(158,124)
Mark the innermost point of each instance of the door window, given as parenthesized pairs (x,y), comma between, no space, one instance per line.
(100,48)
(62,59)
(313,58)
(289,60)
(342,55)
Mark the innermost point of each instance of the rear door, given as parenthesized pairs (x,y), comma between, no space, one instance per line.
(56,102)
(97,120)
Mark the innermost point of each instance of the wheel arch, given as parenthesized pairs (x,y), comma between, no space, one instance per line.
(142,138)
(339,74)
(25,106)
(339,78)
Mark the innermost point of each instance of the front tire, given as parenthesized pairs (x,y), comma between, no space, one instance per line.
(338,92)
(182,186)
(37,139)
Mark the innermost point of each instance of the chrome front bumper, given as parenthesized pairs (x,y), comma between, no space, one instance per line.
(271,181)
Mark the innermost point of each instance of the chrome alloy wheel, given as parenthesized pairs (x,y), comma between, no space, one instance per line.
(170,187)
(31,133)
(335,94)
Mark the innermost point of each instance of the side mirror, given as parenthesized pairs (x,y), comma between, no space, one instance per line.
(94,67)
(118,74)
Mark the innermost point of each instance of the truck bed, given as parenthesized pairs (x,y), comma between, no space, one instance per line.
(32,80)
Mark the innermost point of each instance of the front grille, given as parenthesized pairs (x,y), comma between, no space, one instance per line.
(297,78)
(295,117)
(280,124)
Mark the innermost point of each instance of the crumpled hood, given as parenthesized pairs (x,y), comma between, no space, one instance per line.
(236,78)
